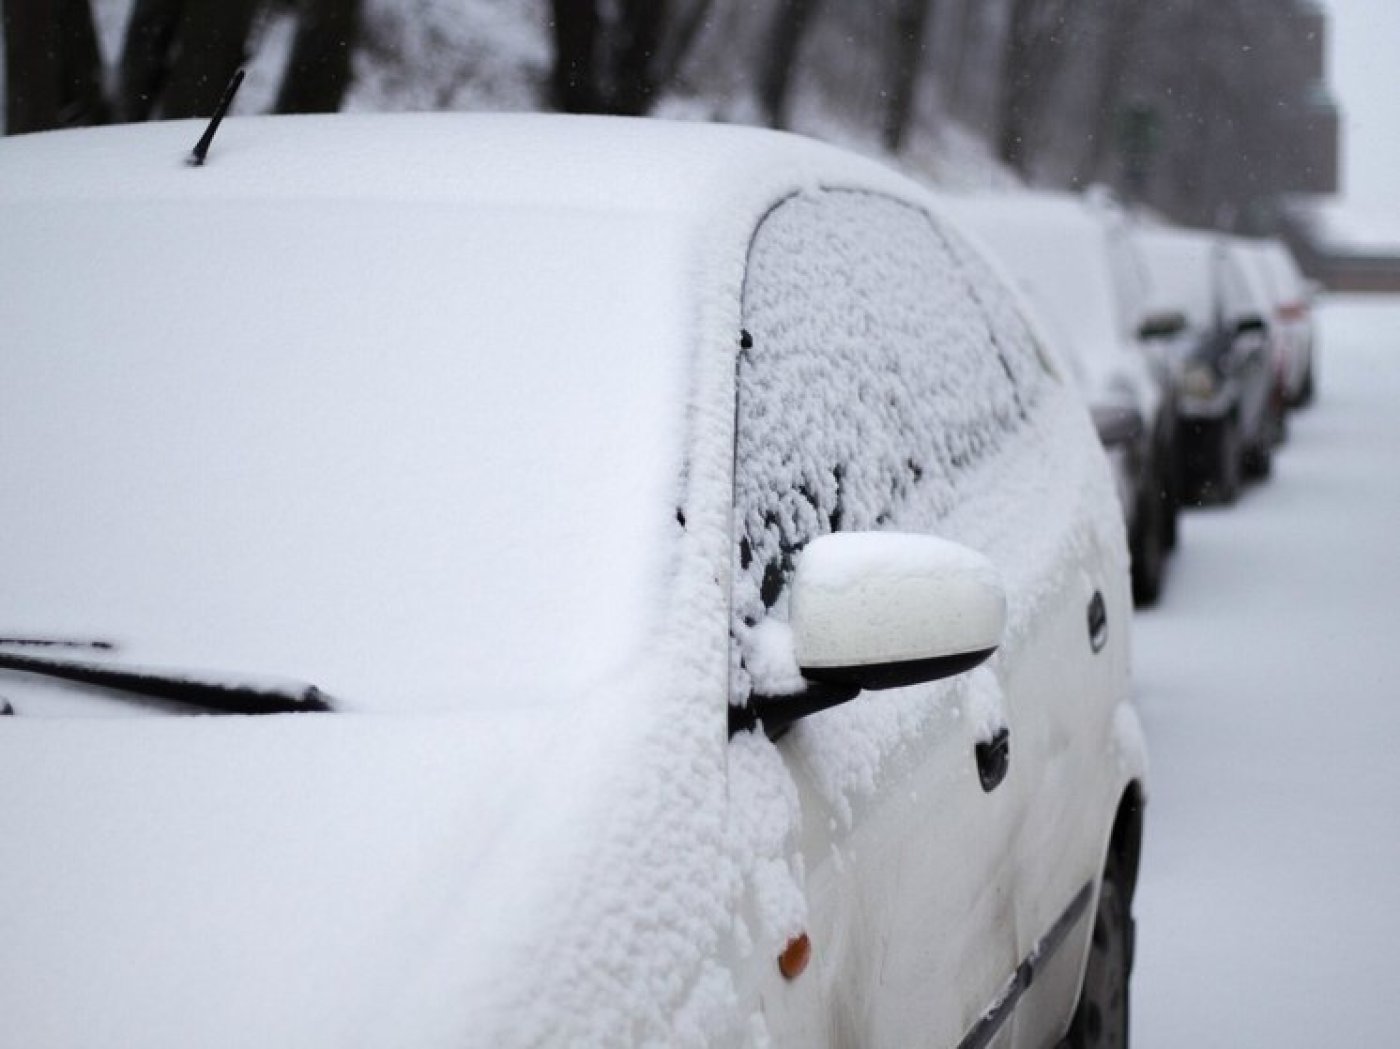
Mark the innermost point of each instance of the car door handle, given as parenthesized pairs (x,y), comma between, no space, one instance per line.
(1098,622)
(993,759)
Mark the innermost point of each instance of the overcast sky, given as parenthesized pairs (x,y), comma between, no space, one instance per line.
(1364,70)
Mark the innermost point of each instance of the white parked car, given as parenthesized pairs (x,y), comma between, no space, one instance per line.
(1290,296)
(1075,260)
(713,589)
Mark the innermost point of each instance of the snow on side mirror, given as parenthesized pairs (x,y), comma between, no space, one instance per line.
(874,610)
(880,610)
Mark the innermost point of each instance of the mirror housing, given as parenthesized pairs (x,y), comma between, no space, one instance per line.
(1248,323)
(877,610)
(886,609)
(1162,325)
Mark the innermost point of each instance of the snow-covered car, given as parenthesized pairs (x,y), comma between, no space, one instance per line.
(1225,400)
(1291,298)
(1075,260)
(1257,292)
(714,593)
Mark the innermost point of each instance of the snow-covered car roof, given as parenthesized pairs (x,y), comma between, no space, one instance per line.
(1180,266)
(501,159)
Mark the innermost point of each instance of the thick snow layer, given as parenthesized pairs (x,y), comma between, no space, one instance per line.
(1180,267)
(1269,905)
(302,468)
(279,881)
(1063,254)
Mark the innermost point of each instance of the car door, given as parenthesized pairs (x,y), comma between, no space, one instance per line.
(870,389)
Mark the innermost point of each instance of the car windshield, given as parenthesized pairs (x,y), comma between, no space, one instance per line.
(417,453)
(1180,267)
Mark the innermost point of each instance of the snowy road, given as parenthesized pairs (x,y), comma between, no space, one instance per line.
(1269,681)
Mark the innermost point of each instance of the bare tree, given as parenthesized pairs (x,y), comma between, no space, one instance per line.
(575,81)
(179,55)
(1120,22)
(790,23)
(318,72)
(53,70)
(911,19)
(1031,55)
(607,59)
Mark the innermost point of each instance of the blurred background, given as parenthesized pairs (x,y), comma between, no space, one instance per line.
(1215,113)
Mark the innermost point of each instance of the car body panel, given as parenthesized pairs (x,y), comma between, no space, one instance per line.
(603,866)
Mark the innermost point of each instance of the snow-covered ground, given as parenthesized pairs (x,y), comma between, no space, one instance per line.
(1269,681)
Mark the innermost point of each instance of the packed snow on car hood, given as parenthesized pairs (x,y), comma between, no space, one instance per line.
(283,880)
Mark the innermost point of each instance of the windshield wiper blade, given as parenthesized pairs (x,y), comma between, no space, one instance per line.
(58,642)
(194,688)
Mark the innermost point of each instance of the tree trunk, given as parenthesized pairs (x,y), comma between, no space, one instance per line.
(910,21)
(145,61)
(680,40)
(210,45)
(1030,59)
(1117,48)
(53,70)
(318,71)
(634,58)
(574,82)
(180,54)
(784,38)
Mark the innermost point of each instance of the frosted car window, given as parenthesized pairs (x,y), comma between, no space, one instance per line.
(884,364)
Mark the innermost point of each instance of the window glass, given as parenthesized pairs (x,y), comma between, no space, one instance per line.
(884,364)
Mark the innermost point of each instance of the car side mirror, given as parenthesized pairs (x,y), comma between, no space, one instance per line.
(1248,323)
(1117,425)
(877,610)
(1162,325)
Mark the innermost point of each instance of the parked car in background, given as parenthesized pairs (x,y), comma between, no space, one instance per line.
(1258,294)
(715,596)
(1076,263)
(1291,298)
(1226,396)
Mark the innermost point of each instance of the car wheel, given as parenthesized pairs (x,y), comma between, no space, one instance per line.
(1101,1016)
(1171,499)
(1229,464)
(1149,548)
(1259,460)
(1308,390)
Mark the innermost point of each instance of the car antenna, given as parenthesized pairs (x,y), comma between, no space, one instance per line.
(201,148)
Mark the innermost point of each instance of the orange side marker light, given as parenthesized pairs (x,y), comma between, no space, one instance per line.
(793,961)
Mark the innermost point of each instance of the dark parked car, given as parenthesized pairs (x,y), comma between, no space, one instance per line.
(1227,396)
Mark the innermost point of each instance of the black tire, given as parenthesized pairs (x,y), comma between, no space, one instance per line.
(1259,461)
(1169,483)
(1229,463)
(1309,388)
(1149,553)
(1101,1015)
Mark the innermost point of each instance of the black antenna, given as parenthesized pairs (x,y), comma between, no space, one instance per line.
(201,148)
